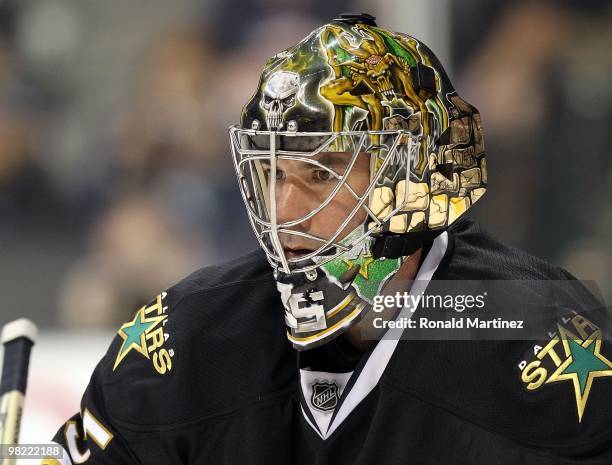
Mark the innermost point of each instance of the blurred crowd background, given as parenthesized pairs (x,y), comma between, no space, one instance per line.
(115,171)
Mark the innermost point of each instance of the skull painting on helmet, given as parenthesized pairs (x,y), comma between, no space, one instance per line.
(279,95)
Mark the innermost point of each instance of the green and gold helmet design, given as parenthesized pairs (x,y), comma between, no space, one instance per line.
(351,87)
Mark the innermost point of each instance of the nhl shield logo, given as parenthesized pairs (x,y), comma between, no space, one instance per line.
(324,396)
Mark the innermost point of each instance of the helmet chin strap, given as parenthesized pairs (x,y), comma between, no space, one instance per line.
(401,245)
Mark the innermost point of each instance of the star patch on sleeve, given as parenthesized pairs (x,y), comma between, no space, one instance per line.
(583,364)
(144,335)
(573,354)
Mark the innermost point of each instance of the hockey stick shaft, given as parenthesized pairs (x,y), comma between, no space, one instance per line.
(17,339)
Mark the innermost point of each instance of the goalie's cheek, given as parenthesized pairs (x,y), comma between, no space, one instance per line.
(294,200)
(330,219)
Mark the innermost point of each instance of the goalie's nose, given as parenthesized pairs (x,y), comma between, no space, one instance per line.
(293,201)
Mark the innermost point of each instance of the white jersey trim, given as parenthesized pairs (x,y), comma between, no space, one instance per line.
(308,378)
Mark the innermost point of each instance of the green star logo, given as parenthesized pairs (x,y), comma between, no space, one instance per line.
(134,334)
(371,276)
(363,262)
(584,363)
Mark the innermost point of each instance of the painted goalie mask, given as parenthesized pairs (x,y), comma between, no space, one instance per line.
(353,152)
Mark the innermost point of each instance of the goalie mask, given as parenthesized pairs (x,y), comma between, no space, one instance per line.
(353,152)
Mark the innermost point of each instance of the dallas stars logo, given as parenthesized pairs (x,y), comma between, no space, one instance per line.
(140,334)
(371,274)
(363,261)
(569,356)
(584,363)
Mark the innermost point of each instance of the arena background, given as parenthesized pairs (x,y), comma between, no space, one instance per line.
(115,172)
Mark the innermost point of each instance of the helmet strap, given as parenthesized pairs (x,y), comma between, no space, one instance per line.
(401,245)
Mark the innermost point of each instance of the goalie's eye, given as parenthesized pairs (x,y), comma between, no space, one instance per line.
(322,176)
(280,174)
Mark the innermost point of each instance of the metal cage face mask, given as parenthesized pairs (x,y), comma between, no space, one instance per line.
(349,174)
(353,151)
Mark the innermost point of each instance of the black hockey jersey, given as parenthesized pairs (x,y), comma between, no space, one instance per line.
(204,374)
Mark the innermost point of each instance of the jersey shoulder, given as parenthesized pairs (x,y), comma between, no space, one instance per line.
(524,385)
(199,348)
(474,253)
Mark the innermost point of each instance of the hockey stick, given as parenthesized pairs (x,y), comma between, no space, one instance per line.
(17,338)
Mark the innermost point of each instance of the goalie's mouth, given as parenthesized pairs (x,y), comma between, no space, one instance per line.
(292,253)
